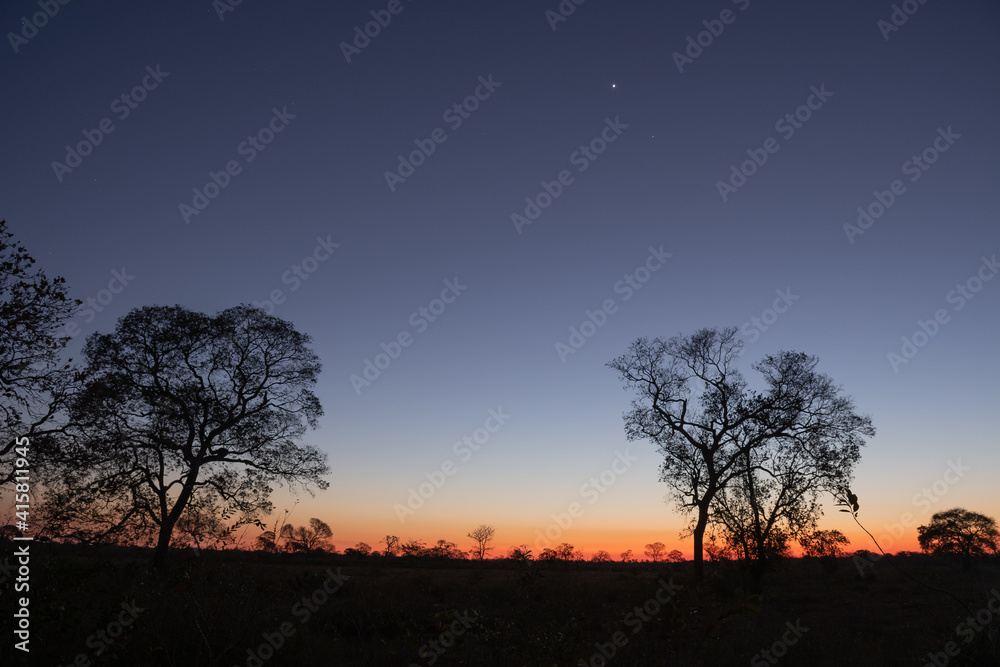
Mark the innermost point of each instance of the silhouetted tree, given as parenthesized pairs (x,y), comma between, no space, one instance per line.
(362,548)
(627,557)
(266,541)
(655,551)
(306,538)
(34,383)
(548,554)
(710,440)
(601,556)
(772,499)
(413,548)
(482,536)
(446,549)
(824,543)
(391,545)
(675,556)
(522,553)
(178,402)
(960,532)
(567,551)
(717,552)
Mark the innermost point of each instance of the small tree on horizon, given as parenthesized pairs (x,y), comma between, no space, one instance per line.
(306,538)
(655,551)
(266,541)
(717,552)
(482,536)
(413,548)
(567,551)
(446,549)
(824,544)
(521,552)
(391,545)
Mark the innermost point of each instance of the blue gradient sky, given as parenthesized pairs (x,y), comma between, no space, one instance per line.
(655,185)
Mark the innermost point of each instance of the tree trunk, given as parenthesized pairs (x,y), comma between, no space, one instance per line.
(699,540)
(170,520)
(162,544)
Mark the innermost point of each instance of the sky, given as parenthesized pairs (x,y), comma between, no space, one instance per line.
(498,198)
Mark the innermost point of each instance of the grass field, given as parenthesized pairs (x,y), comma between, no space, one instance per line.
(105,606)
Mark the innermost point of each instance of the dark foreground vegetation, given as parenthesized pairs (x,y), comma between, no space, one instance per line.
(106,606)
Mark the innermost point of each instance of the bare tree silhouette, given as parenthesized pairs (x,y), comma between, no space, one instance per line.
(482,536)
(709,441)
(391,545)
(655,551)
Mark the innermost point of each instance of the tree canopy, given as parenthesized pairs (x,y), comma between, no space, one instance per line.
(177,403)
(960,532)
(748,460)
(34,380)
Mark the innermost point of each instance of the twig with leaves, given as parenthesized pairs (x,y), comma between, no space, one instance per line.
(850,501)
